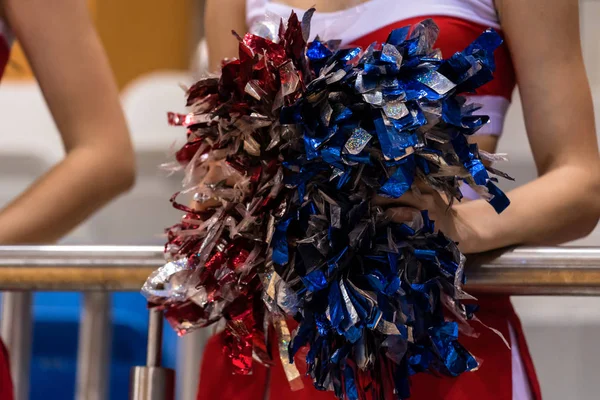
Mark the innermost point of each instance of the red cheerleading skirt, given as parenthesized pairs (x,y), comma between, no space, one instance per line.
(493,379)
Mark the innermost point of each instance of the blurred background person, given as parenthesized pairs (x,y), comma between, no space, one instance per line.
(72,69)
(64,50)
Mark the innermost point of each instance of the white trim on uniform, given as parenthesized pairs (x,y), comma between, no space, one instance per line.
(375,14)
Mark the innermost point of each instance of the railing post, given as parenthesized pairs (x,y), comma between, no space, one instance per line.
(16,328)
(153,382)
(190,348)
(93,354)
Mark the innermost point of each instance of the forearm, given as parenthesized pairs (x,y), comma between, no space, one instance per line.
(560,206)
(65,196)
(220,18)
(73,71)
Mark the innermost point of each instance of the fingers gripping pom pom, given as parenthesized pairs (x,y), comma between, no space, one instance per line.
(312,133)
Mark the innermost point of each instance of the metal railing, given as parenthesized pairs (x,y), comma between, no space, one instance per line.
(97,270)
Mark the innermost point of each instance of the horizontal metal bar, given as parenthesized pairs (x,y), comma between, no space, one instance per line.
(543,270)
(540,257)
(81,256)
(77,268)
(536,271)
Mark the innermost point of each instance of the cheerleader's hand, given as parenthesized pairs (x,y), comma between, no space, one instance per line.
(448,219)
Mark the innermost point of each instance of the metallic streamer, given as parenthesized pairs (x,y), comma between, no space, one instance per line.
(284,338)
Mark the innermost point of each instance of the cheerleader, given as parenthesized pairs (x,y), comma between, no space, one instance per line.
(543,56)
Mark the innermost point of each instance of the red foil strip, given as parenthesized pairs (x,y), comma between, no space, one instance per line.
(187,152)
(176,119)
(239,350)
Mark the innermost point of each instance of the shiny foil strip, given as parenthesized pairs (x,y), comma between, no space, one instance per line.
(283,340)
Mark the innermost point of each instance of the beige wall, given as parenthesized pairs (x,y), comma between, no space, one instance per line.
(140,36)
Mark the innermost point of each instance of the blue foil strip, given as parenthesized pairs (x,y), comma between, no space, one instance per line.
(315,281)
(401,181)
(398,36)
(390,141)
(454,357)
(279,242)
(477,171)
(350,384)
(317,51)
(426,254)
(500,202)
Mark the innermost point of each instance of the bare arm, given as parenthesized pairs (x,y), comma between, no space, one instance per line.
(73,72)
(562,204)
(220,18)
